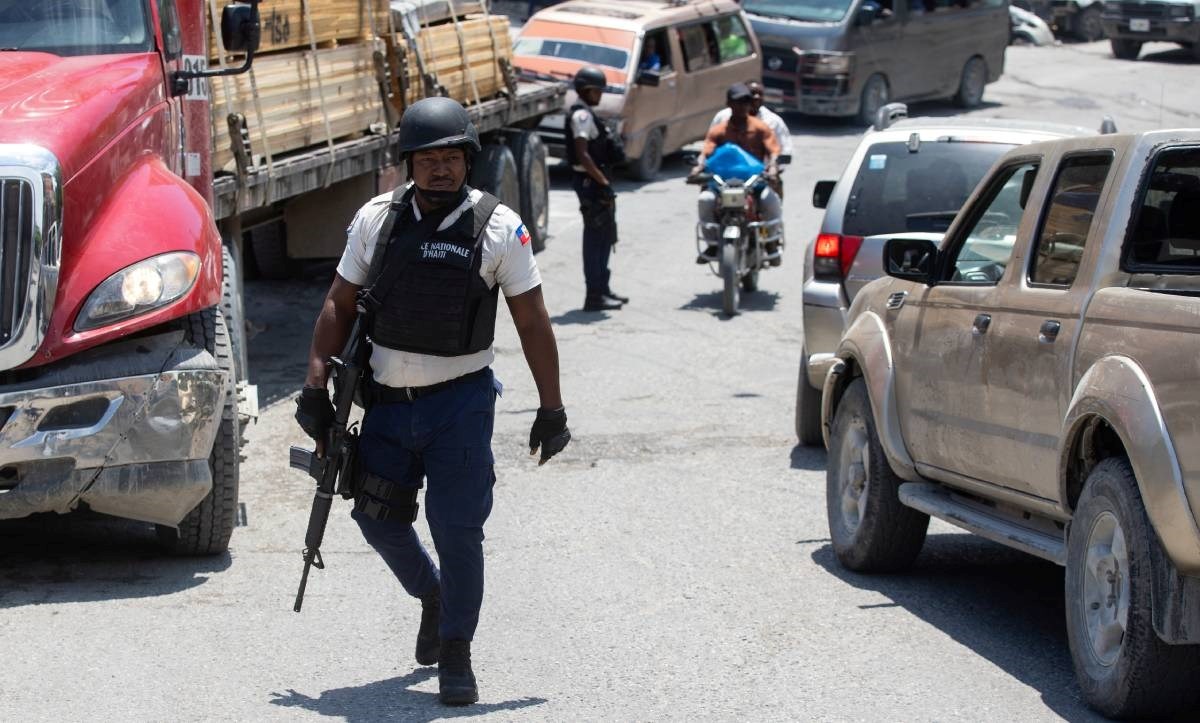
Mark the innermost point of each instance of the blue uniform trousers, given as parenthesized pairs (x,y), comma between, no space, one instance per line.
(444,438)
(599,233)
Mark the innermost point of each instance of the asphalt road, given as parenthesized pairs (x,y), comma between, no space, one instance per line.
(673,563)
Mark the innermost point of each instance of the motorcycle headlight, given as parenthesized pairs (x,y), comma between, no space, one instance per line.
(137,289)
(733,197)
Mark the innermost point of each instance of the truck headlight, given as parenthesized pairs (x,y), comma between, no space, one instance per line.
(142,287)
(1179,11)
(822,63)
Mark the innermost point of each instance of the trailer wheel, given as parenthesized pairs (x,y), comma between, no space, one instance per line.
(207,528)
(495,171)
(530,153)
(269,246)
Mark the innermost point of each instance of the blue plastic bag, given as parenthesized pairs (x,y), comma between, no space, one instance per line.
(732,161)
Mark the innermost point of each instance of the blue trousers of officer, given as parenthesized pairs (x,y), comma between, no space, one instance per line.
(599,234)
(445,439)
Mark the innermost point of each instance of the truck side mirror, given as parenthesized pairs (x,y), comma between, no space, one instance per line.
(821,193)
(911,259)
(868,12)
(649,77)
(240,30)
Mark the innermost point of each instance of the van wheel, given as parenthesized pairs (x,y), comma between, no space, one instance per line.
(495,171)
(875,95)
(1126,49)
(808,407)
(207,528)
(1123,667)
(970,86)
(870,529)
(646,166)
(530,154)
(1088,25)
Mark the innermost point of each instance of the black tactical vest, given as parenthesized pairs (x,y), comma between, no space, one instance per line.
(427,294)
(603,149)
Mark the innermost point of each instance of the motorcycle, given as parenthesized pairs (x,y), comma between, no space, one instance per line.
(746,243)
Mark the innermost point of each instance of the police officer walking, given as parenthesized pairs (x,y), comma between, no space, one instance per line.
(592,152)
(427,263)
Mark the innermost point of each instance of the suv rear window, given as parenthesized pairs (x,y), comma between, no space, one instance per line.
(897,190)
(1166,225)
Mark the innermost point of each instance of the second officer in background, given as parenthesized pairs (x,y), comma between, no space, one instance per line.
(592,152)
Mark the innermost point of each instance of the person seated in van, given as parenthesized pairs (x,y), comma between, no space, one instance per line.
(777,124)
(756,138)
(732,43)
(650,58)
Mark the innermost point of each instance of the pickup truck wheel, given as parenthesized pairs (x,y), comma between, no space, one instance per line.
(1088,24)
(808,408)
(530,154)
(1123,667)
(207,528)
(1126,49)
(870,529)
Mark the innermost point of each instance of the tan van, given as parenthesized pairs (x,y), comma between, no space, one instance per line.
(668,64)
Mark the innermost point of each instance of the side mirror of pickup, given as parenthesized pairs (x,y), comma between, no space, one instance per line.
(911,259)
(241,32)
(821,193)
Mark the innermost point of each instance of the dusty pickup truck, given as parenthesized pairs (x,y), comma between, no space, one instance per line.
(1034,379)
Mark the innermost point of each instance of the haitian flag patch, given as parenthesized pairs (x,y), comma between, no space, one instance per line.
(522,235)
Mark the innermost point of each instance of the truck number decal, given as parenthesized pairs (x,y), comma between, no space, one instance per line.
(197,87)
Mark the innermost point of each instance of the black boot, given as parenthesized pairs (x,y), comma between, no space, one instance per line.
(616,297)
(456,682)
(600,304)
(429,643)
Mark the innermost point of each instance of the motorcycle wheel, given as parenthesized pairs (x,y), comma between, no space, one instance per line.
(729,274)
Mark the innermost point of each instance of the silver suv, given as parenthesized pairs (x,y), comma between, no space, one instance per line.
(907,176)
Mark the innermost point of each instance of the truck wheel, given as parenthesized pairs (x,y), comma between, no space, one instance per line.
(207,528)
(269,246)
(971,84)
(808,408)
(870,529)
(874,96)
(1126,49)
(1123,667)
(235,317)
(495,171)
(1088,25)
(645,167)
(530,155)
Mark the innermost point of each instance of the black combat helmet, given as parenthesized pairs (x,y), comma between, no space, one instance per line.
(437,123)
(590,77)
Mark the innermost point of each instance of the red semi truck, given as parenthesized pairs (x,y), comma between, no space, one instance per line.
(122,353)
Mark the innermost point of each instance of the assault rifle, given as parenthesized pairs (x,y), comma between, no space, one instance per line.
(334,472)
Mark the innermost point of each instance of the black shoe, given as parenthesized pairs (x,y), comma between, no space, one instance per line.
(429,642)
(617,298)
(708,255)
(601,304)
(456,682)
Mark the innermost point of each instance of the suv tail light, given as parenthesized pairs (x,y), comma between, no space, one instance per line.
(834,254)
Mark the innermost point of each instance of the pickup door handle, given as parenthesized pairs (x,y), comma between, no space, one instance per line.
(1049,331)
(982,322)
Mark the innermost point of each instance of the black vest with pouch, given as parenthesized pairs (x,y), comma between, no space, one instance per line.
(425,291)
(604,149)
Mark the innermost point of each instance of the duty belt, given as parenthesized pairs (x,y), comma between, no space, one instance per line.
(381,393)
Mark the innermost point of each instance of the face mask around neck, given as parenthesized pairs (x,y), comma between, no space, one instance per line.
(440,199)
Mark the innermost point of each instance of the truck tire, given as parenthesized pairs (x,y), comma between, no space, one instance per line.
(495,171)
(269,246)
(530,154)
(1088,25)
(1126,49)
(1124,669)
(645,167)
(207,528)
(971,83)
(875,95)
(808,408)
(234,309)
(871,531)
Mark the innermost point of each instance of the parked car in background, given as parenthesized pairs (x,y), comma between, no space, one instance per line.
(1032,379)
(668,65)
(1079,19)
(849,58)
(910,175)
(1130,24)
(1028,28)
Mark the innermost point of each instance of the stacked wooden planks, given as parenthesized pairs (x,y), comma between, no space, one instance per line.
(484,40)
(284,26)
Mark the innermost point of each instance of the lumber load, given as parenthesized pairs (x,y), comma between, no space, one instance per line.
(285,27)
(290,99)
(461,69)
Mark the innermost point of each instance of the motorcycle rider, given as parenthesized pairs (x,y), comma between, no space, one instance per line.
(778,125)
(591,153)
(757,139)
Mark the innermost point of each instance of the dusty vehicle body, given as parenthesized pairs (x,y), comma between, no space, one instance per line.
(1129,24)
(1033,380)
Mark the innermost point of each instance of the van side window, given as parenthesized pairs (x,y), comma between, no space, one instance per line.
(1165,227)
(733,42)
(656,52)
(1060,244)
(699,46)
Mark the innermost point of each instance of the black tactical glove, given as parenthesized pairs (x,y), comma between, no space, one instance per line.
(314,412)
(550,433)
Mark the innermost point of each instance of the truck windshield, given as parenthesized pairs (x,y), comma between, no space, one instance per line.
(75,27)
(897,190)
(812,11)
